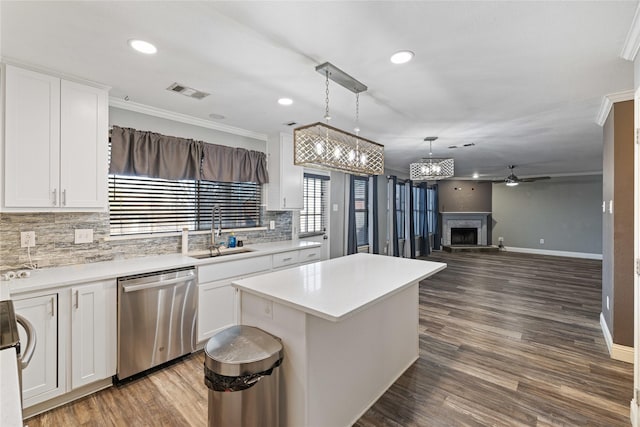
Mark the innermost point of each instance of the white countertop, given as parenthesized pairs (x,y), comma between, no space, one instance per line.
(83,273)
(10,405)
(337,288)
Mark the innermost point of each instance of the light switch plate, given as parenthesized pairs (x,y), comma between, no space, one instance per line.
(83,235)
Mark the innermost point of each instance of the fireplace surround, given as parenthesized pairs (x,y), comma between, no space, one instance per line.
(465,220)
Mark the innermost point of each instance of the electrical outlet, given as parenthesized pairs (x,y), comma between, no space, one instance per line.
(542,241)
(83,235)
(500,239)
(27,239)
(335,207)
(272,225)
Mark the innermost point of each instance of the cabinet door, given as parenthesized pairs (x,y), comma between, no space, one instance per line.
(83,146)
(32,139)
(291,176)
(91,339)
(40,378)
(217,308)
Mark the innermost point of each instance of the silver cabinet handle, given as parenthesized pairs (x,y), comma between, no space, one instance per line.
(311,255)
(55,196)
(25,358)
(53,307)
(64,197)
(287,259)
(77,300)
(284,202)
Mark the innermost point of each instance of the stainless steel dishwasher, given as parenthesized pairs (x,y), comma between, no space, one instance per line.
(156,319)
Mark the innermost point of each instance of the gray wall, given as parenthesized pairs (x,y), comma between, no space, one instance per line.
(337,218)
(565,212)
(464,196)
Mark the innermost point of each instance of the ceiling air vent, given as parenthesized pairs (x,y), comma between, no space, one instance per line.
(187,91)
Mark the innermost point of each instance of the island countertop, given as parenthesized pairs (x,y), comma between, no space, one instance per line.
(337,288)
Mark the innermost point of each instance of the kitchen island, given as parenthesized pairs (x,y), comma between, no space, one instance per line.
(349,327)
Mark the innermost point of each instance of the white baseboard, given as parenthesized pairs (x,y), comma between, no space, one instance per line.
(605,331)
(634,414)
(585,255)
(616,351)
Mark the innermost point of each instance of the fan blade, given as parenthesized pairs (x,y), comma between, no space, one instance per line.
(535,178)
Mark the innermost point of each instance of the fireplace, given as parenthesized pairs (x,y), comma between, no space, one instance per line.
(478,221)
(464,236)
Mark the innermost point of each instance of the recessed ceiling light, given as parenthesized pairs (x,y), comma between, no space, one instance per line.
(285,101)
(143,46)
(402,57)
(476,176)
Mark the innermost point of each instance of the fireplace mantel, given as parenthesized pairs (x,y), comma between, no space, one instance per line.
(476,220)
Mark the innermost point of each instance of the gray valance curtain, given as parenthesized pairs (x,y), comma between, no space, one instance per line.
(229,164)
(143,153)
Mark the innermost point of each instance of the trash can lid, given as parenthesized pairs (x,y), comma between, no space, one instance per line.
(242,350)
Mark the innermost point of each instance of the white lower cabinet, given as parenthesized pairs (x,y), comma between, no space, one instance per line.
(40,380)
(217,308)
(75,339)
(93,332)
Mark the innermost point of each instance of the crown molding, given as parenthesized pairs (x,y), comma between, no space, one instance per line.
(183,118)
(632,42)
(607,103)
(39,69)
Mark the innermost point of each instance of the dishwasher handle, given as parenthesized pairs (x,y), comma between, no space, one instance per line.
(31,341)
(158,284)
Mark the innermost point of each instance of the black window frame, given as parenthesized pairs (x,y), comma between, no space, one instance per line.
(315,205)
(364,211)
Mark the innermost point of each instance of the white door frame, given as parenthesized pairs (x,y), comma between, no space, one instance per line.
(635,412)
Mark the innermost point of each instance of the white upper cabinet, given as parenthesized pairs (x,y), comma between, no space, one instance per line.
(284,191)
(55,143)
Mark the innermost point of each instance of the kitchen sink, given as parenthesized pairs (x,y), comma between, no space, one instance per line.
(223,252)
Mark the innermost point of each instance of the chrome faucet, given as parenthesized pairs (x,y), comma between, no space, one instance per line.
(215,232)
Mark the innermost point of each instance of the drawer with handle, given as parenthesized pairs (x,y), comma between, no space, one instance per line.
(285,259)
(309,255)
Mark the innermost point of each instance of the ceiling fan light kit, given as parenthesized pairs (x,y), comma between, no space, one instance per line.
(431,168)
(321,146)
(512,180)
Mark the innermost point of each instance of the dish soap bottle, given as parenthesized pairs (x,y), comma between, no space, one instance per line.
(232,241)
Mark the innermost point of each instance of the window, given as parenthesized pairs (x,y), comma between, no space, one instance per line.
(152,205)
(432,209)
(361,199)
(419,194)
(400,207)
(313,217)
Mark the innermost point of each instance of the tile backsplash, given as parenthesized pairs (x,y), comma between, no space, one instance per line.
(55,233)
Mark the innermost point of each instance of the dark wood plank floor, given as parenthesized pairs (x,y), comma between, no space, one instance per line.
(505,340)
(509,339)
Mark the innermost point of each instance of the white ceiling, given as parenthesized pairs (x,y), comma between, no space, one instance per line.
(521,80)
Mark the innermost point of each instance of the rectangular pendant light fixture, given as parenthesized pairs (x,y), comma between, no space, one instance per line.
(321,146)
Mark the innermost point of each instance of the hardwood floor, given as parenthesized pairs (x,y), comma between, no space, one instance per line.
(509,339)
(505,339)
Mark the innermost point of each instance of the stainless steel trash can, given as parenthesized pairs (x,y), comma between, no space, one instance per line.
(241,371)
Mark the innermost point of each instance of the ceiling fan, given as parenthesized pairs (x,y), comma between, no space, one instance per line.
(512,180)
